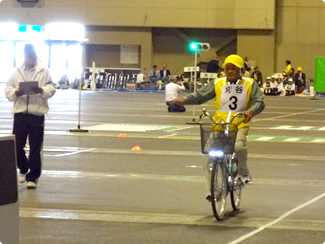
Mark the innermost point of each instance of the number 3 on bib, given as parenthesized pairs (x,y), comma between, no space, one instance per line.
(233,98)
(233,101)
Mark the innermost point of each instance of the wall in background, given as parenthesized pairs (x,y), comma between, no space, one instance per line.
(268,31)
(300,34)
(252,14)
(105,44)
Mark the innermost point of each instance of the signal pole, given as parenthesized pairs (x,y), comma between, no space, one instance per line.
(195,78)
(196,47)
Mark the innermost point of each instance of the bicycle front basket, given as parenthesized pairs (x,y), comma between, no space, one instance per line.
(218,137)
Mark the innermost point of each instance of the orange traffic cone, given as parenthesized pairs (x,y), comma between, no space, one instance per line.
(136,148)
(122,135)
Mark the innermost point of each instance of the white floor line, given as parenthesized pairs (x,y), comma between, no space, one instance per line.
(288,115)
(318,140)
(72,153)
(163,218)
(277,220)
(167,136)
(265,138)
(292,139)
(193,178)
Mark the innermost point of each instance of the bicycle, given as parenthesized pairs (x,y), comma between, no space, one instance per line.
(218,141)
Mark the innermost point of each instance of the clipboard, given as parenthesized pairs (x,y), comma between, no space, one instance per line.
(26,85)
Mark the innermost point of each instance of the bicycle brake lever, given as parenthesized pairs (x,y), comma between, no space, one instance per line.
(204,114)
(240,114)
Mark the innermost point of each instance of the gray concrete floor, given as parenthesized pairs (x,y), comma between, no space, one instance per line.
(95,189)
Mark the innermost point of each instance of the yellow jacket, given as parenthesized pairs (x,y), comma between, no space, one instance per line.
(252,101)
(225,113)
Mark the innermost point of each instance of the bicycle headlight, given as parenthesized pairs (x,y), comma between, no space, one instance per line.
(216,153)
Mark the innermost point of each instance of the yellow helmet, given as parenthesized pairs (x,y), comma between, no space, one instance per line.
(299,69)
(235,60)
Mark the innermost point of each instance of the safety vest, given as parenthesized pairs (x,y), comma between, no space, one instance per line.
(232,98)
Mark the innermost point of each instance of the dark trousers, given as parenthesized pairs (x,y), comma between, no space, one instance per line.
(175,108)
(271,91)
(33,127)
(290,93)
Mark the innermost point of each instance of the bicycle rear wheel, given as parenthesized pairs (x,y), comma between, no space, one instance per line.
(218,190)
(235,194)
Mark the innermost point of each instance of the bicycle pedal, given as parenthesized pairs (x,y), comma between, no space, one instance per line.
(209,198)
(246,183)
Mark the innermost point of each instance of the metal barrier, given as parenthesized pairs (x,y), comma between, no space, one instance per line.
(113,81)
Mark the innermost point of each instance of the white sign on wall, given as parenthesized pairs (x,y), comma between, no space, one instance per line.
(129,54)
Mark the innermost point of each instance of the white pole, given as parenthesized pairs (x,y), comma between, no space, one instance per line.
(195,75)
(93,84)
(79,110)
(82,79)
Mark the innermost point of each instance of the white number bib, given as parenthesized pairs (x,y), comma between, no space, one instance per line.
(233,98)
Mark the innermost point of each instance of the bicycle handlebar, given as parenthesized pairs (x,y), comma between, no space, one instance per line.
(206,114)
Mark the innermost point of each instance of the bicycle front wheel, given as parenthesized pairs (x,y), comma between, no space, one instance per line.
(218,190)
(235,194)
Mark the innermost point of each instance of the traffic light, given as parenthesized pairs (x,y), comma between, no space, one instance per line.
(198,46)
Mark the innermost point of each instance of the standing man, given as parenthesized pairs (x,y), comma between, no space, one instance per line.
(300,80)
(172,93)
(233,93)
(257,76)
(213,65)
(29,113)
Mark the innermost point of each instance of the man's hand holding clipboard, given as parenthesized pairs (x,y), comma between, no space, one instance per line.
(28,88)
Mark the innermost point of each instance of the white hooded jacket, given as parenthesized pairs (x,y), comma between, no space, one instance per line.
(35,104)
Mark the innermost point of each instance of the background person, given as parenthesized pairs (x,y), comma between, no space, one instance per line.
(247,71)
(154,75)
(249,64)
(213,65)
(257,76)
(300,80)
(288,66)
(274,85)
(267,87)
(29,113)
(164,74)
(280,87)
(285,78)
(290,88)
(171,94)
(291,75)
(232,94)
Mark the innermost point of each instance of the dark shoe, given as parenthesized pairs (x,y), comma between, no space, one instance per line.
(171,110)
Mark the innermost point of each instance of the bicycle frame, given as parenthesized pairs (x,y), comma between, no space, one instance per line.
(218,141)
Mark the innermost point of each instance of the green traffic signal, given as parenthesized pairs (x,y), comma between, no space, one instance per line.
(193,46)
(199,46)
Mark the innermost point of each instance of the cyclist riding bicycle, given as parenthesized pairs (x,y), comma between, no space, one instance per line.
(233,93)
